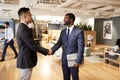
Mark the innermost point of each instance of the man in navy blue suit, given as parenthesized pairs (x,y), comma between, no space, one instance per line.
(72,41)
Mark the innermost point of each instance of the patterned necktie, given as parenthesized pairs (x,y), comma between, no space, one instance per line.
(67,36)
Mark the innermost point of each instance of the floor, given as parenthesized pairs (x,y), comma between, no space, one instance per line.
(49,68)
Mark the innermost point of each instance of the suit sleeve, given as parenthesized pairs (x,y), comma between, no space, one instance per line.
(58,44)
(80,57)
(27,37)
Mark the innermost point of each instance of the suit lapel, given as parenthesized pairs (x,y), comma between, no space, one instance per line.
(64,38)
(64,35)
(71,34)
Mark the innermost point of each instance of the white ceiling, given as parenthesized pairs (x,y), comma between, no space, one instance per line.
(88,8)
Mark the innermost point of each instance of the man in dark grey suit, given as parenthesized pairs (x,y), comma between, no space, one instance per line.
(27,57)
(72,41)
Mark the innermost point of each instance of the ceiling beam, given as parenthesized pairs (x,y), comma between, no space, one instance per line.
(106,2)
(117,10)
(67,3)
(76,4)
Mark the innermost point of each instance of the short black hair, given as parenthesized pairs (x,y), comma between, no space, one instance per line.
(71,16)
(7,23)
(23,10)
(118,42)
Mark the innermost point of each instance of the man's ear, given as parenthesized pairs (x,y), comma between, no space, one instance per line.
(24,16)
(71,20)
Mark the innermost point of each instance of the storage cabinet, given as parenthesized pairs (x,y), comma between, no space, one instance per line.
(90,38)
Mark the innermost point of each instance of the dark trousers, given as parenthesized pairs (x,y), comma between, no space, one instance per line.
(67,71)
(11,43)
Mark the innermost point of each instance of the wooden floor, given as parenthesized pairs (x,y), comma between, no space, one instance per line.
(49,68)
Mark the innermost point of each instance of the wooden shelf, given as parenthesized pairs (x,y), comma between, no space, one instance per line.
(90,38)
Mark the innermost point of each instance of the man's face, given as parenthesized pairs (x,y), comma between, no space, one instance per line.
(67,20)
(28,17)
(6,26)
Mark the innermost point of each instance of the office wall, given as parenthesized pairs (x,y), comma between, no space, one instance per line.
(11,24)
(98,27)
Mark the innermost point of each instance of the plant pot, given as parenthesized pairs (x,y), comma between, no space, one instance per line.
(87,51)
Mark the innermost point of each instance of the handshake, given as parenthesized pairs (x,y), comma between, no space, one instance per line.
(50,52)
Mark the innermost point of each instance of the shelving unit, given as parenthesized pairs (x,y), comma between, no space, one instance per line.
(90,38)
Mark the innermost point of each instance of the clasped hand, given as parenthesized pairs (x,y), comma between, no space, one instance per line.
(50,52)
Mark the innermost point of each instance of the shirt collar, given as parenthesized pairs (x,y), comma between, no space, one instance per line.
(24,23)
(71,28)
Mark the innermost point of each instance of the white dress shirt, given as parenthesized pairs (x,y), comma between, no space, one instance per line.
(9,33)
(71,28)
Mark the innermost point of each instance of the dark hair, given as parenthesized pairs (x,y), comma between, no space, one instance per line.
(118,42)
(7,23)
(71,16)
(23,10)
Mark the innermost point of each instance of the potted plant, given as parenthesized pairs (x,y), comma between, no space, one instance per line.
(84,27)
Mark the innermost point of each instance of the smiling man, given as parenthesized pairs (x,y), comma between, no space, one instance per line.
(72,41)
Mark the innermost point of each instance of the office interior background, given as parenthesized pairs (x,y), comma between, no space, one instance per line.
(99,19)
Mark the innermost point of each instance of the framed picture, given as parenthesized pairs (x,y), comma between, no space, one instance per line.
(107,29)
